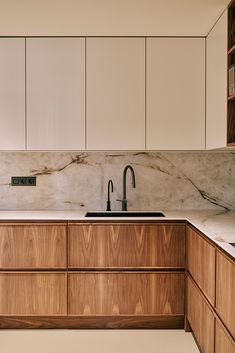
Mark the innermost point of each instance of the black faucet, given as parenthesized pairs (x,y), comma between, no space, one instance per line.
(110,183)
(124,199)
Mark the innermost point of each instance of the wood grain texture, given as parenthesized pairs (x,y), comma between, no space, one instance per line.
(200,317)
(201,263)
(33,246)
(231,122)
(127,246)
(223,342)
(28,293)
(225,291)
(95,322)
(126,293)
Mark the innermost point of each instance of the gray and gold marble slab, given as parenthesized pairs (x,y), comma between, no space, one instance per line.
(78,180)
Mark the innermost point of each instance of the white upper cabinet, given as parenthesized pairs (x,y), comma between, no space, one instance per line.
(175,94)
(216,107)
(115,93)
(12,93)
(55,78)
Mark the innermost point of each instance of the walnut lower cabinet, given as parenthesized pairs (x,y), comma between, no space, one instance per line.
(112,274)
(121,295)
(130,245)
(200,318)
(223,341)
(225,291)
(201,263)
(126,293)
(29,293)
(33,246)
(210,293)
(92,274)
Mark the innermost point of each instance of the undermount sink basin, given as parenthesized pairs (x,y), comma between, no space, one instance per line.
(124,214)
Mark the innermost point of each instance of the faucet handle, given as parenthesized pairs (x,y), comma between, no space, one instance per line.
(124,204)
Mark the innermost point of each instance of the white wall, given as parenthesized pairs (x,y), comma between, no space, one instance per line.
(108,17)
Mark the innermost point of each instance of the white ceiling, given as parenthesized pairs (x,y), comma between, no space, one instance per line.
(109,17)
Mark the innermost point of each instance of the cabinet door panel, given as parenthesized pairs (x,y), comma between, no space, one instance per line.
(225,291)
(128,246)
(33,293)
(12,94)
(175,93)
(33,246)
(55,93)
(223,342)
(216,90)
(126,293)
(201,263)
(200,317)
(115,93)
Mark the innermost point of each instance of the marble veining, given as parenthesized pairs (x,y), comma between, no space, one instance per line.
(78,180)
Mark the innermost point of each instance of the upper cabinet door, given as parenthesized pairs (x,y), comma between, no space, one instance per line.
(12,94)
(55,93)
(216,90)
(115,93)
(175,94)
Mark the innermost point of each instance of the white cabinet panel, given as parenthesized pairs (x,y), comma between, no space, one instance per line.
(12,94)
(115,93)
(175,94)
(55,79)
(216,91)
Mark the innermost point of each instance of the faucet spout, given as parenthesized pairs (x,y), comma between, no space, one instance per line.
(110,184)
(124,179)
(124,199)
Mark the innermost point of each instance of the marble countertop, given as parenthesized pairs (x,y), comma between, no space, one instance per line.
(217,225)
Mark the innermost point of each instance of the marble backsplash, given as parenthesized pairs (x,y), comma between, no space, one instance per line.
(78,180)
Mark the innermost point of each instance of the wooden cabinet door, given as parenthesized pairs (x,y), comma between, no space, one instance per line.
(115,88)
(99,293)
(28,293)
(216,85)
(12,94)
(126,246)
(201,263)
(200,318)
(225,291)
(175,94)
(30,246)
(55,80)
(223,341)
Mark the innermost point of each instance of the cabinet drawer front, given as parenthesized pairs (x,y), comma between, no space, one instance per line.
(223,342)
(126,293)
(32,246)
(225,291)
(200,317)
(33,293)
(127,246)
(201,263)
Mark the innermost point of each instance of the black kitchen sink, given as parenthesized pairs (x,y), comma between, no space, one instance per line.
(124,214)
